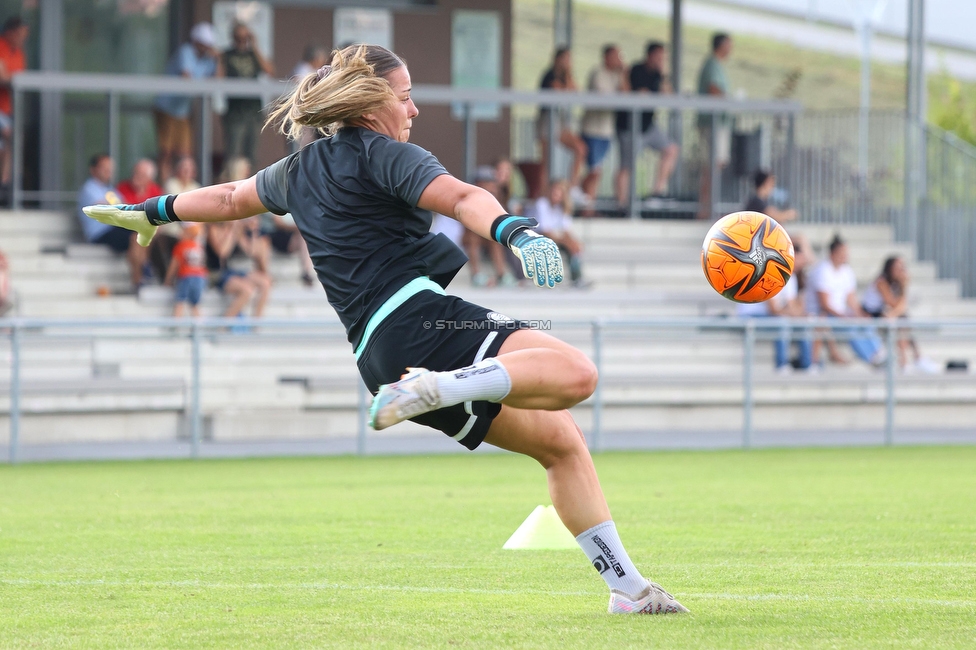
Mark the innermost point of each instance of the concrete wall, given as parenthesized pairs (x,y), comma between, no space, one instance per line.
(422,37)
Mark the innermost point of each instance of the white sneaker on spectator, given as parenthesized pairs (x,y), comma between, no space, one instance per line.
(579,197)
(927,366)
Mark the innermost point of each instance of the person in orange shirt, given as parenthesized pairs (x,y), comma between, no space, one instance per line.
(13,35)
(189,270)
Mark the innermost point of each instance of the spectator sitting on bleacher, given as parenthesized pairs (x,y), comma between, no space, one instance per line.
(254,236)
(222,242)
(161,248)
(555,222)
(286,239)
(185,177)
(475,244)
(765,184)
(98,189)
(887,297)
(188,271)
(6,302)
(141,186)
(12,38)
(834,286)
(787,303)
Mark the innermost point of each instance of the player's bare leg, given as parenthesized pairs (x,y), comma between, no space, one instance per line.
(536,377)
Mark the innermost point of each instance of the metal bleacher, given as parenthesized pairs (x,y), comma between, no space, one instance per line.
(665,377)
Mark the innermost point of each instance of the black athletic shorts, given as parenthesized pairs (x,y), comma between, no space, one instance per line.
(439,333)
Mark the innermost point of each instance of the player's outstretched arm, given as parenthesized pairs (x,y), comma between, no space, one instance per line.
(481,213)
(224,202)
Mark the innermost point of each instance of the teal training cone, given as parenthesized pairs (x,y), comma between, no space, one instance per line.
(541,530)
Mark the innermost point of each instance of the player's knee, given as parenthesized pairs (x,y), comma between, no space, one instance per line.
(563,440)
(583,380)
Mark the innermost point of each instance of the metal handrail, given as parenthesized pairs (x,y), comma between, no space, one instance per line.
(752,330)
(467,98)
(135,84)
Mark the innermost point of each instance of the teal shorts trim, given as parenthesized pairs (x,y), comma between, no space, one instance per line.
(406,292)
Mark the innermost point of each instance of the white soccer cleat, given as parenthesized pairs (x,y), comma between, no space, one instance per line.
(415,394)
(653,600)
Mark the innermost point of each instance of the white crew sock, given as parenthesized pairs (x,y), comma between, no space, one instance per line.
(603,547)
(486,380)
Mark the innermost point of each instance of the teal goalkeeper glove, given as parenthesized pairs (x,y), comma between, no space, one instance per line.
(144,218)
(539,255)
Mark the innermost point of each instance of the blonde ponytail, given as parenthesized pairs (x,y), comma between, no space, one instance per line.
(352,86)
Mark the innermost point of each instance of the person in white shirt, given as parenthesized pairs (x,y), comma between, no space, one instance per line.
(835,288)
(598,123)
(788,303)
(553,214)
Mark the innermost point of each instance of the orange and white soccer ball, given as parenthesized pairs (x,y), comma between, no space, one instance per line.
(747,257)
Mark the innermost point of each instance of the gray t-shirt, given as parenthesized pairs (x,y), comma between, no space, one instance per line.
(354,199)
(713,74)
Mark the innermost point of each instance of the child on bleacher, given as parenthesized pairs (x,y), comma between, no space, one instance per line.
(188,268)
(555,222)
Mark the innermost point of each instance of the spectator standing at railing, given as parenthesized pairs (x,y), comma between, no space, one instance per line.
(13,35)
(194,60)
(560,77)
(598,123)
(713,81)
(835,288)
(646,76)
(313,58)
(243,119)
(765,184)
(98,188)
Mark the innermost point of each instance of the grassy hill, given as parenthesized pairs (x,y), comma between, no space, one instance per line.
(757,66)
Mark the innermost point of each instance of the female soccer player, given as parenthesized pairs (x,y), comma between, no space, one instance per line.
(362,199)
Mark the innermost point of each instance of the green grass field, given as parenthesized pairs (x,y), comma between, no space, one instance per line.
(856,548)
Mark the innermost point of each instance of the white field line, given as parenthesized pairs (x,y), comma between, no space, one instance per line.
(324,586)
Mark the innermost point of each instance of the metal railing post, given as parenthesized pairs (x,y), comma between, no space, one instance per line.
(14,392)
(551,145)
(889,429)
(716,179)
(635,143)
(113,128)
(597,433)
(17,169)
(790,152)
(195,423)
(470,143)
(749,343)
(206,144)
(361,423)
